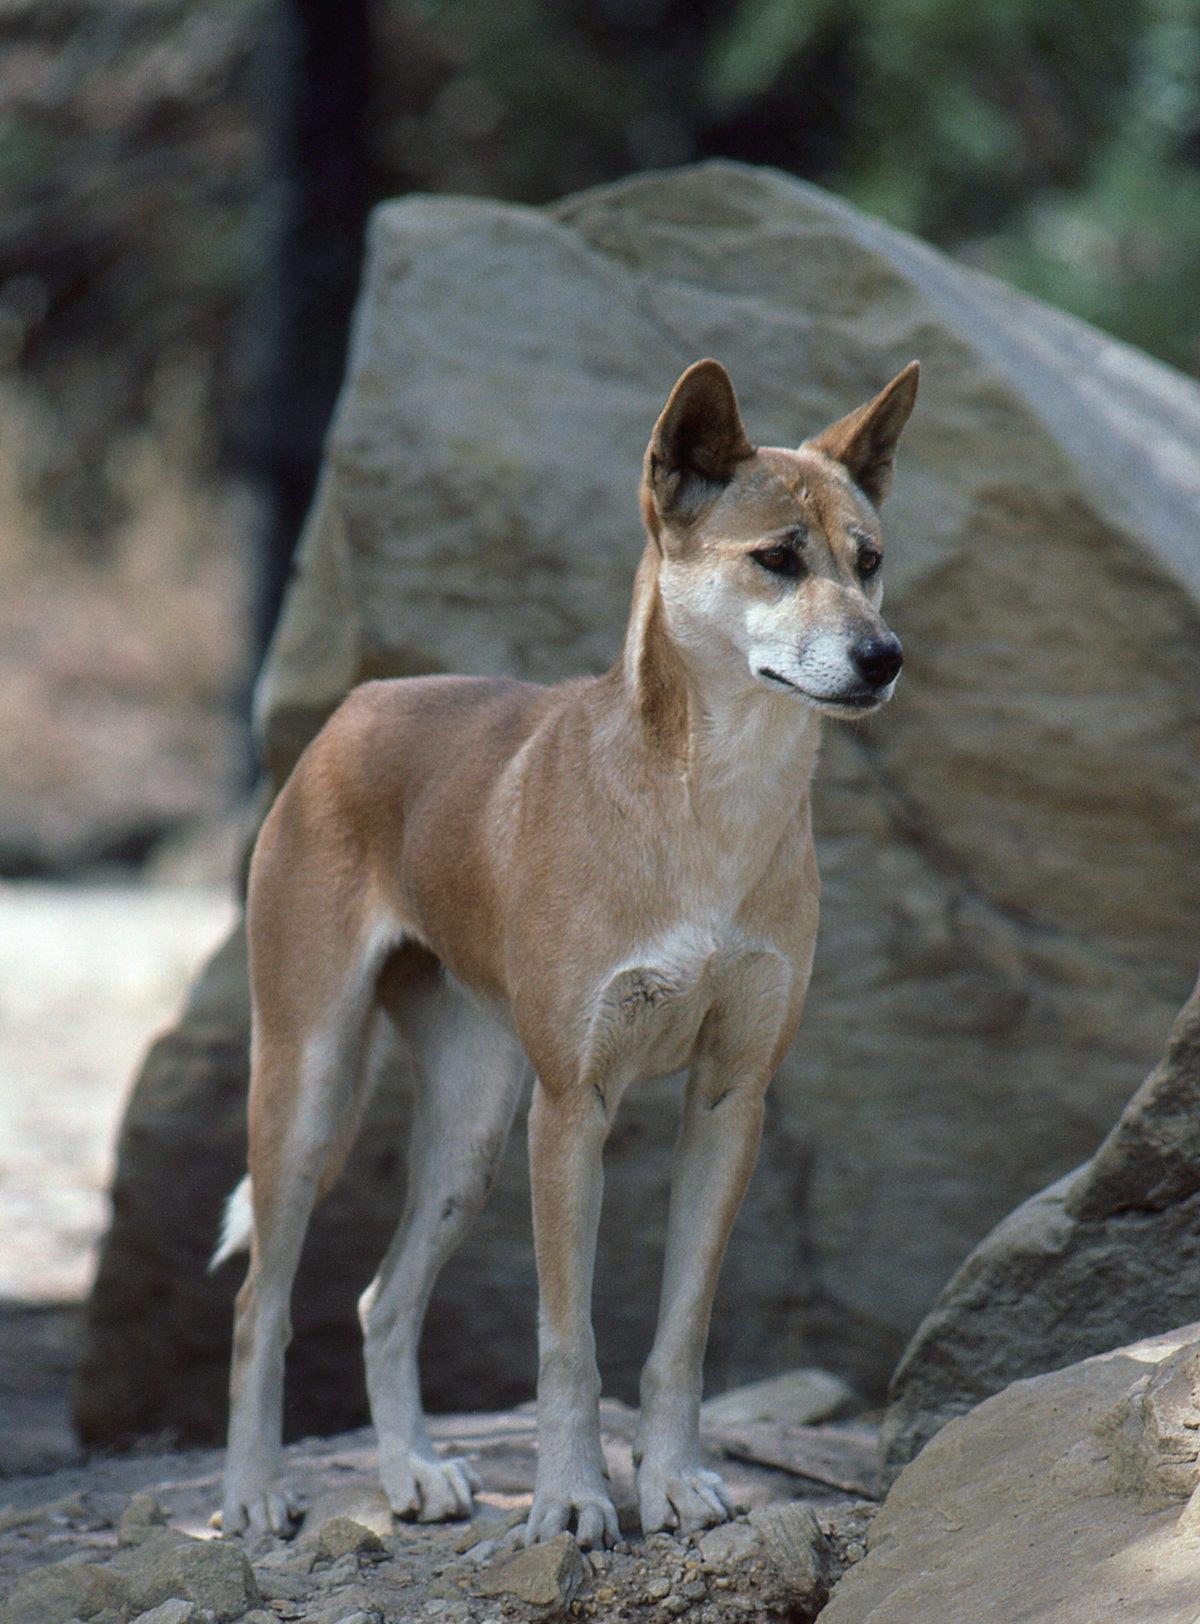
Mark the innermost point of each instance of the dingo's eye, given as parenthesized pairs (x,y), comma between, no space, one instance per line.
(779,560)
(868,562)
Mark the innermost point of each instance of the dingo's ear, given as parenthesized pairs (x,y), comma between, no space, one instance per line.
(696,445)
(865,440)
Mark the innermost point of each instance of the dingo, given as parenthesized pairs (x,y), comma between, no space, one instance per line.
(606,881)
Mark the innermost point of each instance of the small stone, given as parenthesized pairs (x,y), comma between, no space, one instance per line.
(658,1588)
(79,1590)
(796,1549)
(140,1518)
(343,1536)
(65,1509)
(342,1571)
(546,1575)
(799,1397)
(364,1503)
(211,1572)
(675,1606)
(72,1508)
(483,1526)
(340,1604)
(175,1611)
(278,1585)
(728,1544)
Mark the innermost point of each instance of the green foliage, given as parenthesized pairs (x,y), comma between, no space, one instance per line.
(1056,142)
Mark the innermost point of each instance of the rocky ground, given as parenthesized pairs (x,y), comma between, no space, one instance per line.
(129,1537)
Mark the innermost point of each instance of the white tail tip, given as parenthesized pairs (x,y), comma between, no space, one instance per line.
(237,1223)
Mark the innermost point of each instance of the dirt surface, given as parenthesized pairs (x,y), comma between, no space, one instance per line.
(351,1560)
(87,976)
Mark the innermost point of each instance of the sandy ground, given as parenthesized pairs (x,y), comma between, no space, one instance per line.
(87,977)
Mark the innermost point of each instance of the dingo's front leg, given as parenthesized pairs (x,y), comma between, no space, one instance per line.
(718,1145)
(566,1143)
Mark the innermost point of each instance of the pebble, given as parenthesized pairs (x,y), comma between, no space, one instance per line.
(213,1573)
(343,1536)
(64,1590)
(278,1585)
(796,1549)
(177,1611)
(543,1575)
(140,1518)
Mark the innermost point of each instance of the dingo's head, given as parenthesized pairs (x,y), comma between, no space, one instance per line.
(770,561)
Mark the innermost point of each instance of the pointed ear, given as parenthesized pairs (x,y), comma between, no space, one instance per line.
(865,441)
(697,443)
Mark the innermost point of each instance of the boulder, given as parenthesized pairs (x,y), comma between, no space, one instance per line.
(1010,897)
(1108,1253)
(1061,1500)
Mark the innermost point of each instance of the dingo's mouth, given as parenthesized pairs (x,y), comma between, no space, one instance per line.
(852,704)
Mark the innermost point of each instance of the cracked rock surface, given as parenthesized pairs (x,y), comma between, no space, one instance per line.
(1065,1499)
(1107,1254)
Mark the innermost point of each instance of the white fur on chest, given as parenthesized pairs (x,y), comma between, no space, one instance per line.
(647,1014)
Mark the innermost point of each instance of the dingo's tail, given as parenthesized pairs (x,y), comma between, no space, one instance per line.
(237,1222)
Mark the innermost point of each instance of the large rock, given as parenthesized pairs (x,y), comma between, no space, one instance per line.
(1011,901)
(1062,1500)
(1109,1253)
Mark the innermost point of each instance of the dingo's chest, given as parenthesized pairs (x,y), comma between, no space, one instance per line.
(646,1015)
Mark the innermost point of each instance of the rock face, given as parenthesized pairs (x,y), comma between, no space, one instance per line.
(1059,1501)
(1010,897)
(1108,1253)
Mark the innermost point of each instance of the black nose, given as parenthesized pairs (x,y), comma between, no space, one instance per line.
(878,659)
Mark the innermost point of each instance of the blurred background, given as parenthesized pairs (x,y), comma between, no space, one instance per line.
(183,190)
(184,187)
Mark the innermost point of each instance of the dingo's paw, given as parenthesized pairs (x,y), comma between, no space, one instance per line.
(586,1506)
(425,1488)
(683,1499)
(270,1509)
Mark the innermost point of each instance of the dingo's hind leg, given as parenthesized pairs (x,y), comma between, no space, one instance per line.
(313,998)
(471,1070)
